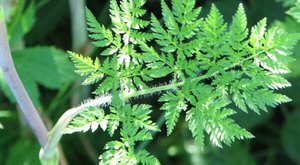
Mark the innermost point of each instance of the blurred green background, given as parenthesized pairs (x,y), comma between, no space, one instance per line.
(40,32)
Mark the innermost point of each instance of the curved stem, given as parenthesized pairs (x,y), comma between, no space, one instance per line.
(48,152)
(28,110)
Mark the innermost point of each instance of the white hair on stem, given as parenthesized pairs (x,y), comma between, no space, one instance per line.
(56,133)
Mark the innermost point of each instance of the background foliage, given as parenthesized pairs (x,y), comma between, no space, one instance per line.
(40,32)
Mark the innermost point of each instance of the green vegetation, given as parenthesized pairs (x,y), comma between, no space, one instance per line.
(210,78)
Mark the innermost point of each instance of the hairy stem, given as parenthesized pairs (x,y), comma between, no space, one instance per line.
(48,152)
(28,110)
(178,84)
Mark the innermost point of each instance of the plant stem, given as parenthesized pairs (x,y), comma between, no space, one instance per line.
(153,90)
(48,152)
(28,110)
(78,22)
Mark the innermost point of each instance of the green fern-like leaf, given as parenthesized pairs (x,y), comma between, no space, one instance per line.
(173,106)
(141,117)
(90,119)
(294,11)
(192,117)
(146,158)
(238,32)
(213,69)
(100,34)
(214,32)
(116,153)
(84,65)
